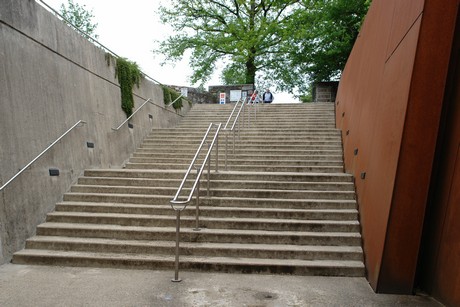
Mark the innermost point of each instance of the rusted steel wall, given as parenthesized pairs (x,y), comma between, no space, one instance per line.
(439,266)
(388,108)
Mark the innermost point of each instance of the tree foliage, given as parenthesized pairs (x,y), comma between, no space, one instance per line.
(79,17)
(287,43)
(319,52)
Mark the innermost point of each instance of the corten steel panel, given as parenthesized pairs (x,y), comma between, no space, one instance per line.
(447,278)
(373,94)
(407,13)
(382,162)
(439,268)
(418,145)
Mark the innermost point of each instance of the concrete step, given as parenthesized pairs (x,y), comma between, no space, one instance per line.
(269,251)
(302,131)
(214,201)
(188,156)
(178,143)
(267,151)
(224,175)
(211,235)
(242,192)
(250,162)
(222,264)
(212,211)
(204,222)
(240,167)
(231,184)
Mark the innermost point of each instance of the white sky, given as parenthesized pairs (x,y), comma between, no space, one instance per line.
(129,28)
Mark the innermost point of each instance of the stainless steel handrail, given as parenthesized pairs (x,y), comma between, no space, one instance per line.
(179,205)
(232,129)
(168,105)
(231,114)
(41,154)
(145,102)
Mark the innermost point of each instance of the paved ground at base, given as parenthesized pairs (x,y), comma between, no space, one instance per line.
(26,285)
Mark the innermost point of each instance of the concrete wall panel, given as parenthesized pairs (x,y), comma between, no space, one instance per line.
(51,77)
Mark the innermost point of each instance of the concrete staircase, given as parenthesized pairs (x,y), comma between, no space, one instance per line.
(283,206)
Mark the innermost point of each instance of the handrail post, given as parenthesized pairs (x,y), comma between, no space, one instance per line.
(249,116)
(197,206)
(176,264)
(226,148)
(233,142)
(217,154)
(209,170)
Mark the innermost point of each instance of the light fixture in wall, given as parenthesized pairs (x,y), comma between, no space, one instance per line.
(54,172)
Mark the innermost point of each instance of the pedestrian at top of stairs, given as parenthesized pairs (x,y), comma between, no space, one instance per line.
(268,97)
(255,97)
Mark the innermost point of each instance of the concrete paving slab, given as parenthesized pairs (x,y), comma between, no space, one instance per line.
(26,285)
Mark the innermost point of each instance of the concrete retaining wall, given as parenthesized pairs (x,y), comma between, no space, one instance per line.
(50,78)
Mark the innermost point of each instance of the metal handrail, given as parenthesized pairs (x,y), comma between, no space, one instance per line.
(168,105)
(178,205)
(124,122)
(231,114)
(41,154)
(232,129)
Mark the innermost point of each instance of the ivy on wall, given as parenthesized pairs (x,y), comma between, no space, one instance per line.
(128,74)
(169,95)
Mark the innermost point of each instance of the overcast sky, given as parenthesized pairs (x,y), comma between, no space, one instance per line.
(130,28)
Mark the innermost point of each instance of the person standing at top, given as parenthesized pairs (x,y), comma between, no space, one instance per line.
(268,97)
(255,97)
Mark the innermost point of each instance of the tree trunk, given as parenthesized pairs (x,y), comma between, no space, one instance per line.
(250,72)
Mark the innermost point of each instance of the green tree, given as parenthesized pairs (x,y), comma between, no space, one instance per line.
(320,52)
(288,43)
(79,17)
(246,34)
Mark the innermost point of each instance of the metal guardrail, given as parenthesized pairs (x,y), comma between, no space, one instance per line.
(126,120)
(41,154)
(180,205)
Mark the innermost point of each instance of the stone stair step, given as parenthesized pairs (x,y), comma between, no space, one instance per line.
(212,211)
(204,222)
(215,201)
(222,264)
(250,161)
(225,175)
(270,251)
(239,167)
(221,192)
(204,235)
(241,156)
(232,184)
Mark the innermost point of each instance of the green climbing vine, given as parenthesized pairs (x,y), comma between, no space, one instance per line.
(128,74)
(169,95)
